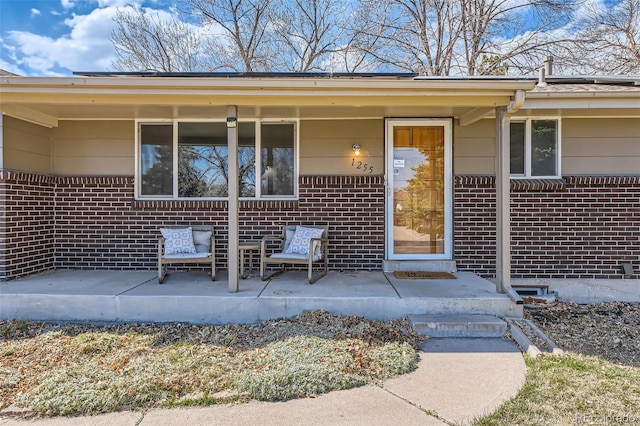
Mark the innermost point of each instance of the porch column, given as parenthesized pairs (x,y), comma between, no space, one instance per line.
(503,200)
(1,141)
(233,197)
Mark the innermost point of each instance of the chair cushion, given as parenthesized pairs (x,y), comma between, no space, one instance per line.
(178,240)
(186,256)
(301,238)
(293,256)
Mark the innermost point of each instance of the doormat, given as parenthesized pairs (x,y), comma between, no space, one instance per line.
(423,275)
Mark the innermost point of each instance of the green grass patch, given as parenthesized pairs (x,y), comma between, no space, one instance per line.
(574,389)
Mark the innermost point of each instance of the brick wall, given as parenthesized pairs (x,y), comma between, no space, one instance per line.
(474,224)
(577,227)
(100,225)
(26,224)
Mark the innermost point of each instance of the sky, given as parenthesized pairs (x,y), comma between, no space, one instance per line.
(58,37)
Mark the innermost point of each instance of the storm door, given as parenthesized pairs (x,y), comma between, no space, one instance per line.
(418,206)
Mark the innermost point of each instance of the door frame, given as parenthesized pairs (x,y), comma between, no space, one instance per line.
(447,123)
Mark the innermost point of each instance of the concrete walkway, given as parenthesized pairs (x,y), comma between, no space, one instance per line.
(457,380)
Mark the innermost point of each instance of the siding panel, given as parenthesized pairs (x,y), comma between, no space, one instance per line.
(94,148)
(27,146)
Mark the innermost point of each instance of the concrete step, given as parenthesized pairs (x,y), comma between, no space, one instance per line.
(458,325)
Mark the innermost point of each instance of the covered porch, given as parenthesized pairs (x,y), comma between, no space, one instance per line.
(136,296)
(93,131)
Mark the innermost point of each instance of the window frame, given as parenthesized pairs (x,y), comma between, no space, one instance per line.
(527,147)
(258,160)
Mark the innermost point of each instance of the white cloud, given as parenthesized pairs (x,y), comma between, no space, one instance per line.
(35,12)
(87,47)
(12,66)
(67,4)
(118,3)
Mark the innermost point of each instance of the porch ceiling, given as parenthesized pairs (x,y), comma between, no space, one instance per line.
(47,100)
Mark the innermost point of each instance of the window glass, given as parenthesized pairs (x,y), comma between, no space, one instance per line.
(534,148)
(156,159)
(544,147)
(247,159)
(203,159)
(277,157)
(517,148)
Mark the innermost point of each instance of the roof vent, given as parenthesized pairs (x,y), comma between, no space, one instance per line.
(548,65)
(541,77)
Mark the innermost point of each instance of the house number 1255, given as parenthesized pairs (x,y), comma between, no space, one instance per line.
(366,168)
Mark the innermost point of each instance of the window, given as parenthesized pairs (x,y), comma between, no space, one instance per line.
(535,147)
(191,159)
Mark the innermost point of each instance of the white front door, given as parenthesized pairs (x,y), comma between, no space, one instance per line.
(419,194)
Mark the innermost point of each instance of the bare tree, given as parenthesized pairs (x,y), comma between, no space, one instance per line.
(150,41)
(516,33)
(364,36)
(240,27)
(307,33)
(430,37)
(609,40)
(467,37)
(410,35)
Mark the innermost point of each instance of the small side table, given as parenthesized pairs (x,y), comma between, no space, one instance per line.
(247,247)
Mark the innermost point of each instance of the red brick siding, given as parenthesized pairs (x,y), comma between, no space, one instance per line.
(99,225)
(474,224)
(580,227)
(26,224)
(583,228)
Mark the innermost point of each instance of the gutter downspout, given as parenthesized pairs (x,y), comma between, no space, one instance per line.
(517,102)
(503,192)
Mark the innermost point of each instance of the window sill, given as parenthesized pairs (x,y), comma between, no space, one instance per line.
(537,185)
(254,204)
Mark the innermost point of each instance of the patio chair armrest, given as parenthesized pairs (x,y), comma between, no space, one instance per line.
(323,245)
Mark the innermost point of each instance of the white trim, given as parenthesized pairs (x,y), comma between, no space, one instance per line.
(447,123)
(2,143)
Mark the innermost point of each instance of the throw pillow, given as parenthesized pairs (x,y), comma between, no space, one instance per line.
(202,241)
(301,238)
(178,240)
(288,237)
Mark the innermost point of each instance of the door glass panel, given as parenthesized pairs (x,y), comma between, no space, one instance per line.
(418,190)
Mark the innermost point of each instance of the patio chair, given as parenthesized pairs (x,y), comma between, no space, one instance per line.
(186,245)
(297,245)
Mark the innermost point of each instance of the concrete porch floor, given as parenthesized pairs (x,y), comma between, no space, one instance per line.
(136,296)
